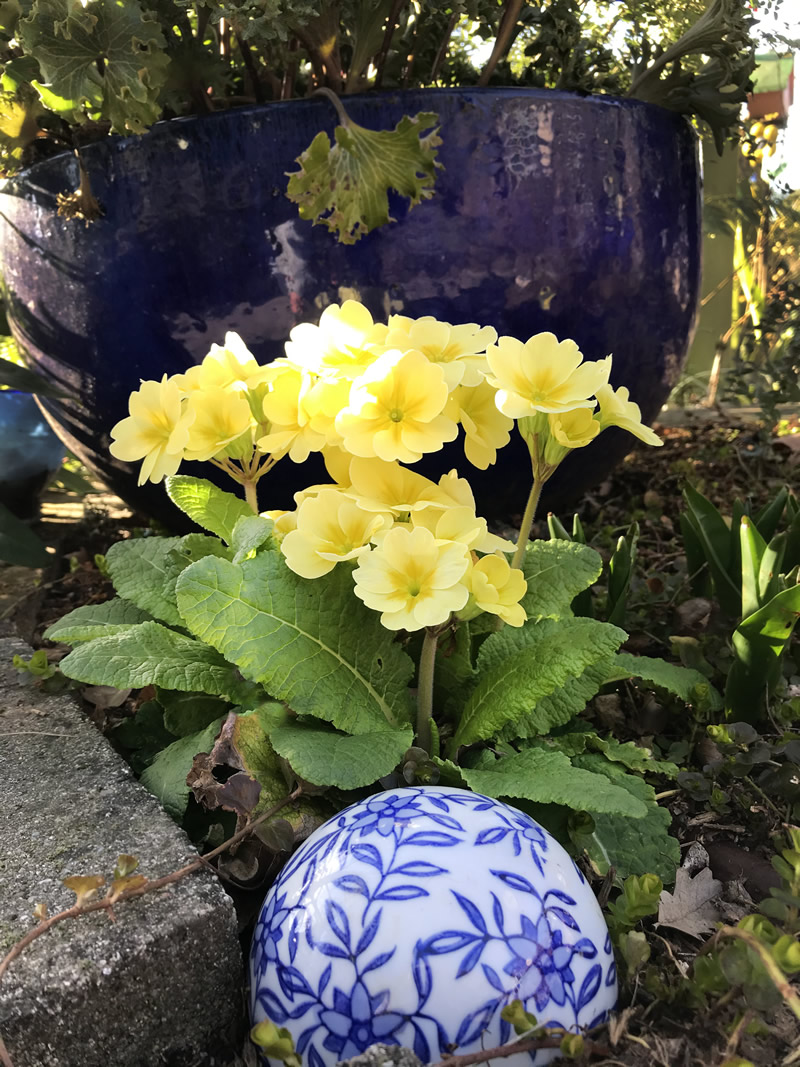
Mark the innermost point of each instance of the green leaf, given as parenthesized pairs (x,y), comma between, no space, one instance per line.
(249,534)
(768,517)
(759,642)
(620,573)
(690,685)
(454,673)
(323,757)
(166,775)
(345,187)
(769,580)
(188,713)
(96,620)
(630,755)
(19,545)
(715,540)
(150,654)
(547,777)
(630,846)
(517,668)
(556,572)
(752,548)
(209,507)
(13,376)
(287,633)
(105,59)
(561,705)
(143,735)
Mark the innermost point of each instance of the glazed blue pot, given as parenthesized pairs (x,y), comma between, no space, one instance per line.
(30,453)
(553,212)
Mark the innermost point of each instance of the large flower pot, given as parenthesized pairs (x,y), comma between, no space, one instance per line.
(553,212)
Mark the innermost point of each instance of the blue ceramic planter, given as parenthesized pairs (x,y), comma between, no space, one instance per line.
(553,212)
(30,453)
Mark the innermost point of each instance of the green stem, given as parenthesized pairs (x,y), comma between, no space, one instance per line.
(527,520)
(250,494)
(427,661)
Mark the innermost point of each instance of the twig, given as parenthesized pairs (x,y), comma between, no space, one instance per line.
(529,1044)
(391,26)
(440,55)
(503,40)
(246,53)
(107,903)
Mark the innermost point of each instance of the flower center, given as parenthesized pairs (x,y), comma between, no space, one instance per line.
(396,415)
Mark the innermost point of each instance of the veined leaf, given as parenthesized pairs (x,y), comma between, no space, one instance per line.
(208,506)
(547,777)
(165,777)
(96,620)
(556,572)
(324,757)
(249,534)
(286,632)
(561,705)
(150,654)
(345,187)
(518,668)
(759,642)
(690,685)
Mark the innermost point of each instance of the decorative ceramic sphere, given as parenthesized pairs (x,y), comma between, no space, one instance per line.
(414,917)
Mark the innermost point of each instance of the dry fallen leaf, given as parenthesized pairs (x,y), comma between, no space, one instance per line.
(689,908)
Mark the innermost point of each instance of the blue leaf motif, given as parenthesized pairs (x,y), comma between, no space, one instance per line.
(590,986)
(402,892)
(421,1047)
(449,941)
(314,1058)
(338,922)
(327,948)
(368,854)
(559,896)
(324,978)
(446,820)
(497,912)
(586,948)
(352,883)
(273,1007)
(491,835)
(564,916)
(472,913)
(423,979)
(304,1038)
(469,961)
(292,940)
(493,978)
(611,977)
(379,961)
(431,838)
(298,1013)
(420,869)
(292,981)
(368,934)
(437,802)
(475,1023)
(515,881)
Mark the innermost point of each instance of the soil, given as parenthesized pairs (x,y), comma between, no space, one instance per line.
(722,458)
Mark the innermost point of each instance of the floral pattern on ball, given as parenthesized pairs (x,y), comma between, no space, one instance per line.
(414,917)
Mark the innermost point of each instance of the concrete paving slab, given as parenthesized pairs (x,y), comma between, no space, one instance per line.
(161,985)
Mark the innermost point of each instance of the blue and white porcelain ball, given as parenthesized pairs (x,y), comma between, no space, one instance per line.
(414,917)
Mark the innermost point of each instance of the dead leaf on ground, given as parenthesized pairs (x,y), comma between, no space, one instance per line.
(689,908)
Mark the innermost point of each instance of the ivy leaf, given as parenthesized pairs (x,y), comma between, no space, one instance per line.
(150,654)
(518,668)
(166,775)
(345,187)
(208,506)
(685,682)
(324,757)
(96,620)
(556,572)
(548,777)
(105,59)
(639,846)
(287,633)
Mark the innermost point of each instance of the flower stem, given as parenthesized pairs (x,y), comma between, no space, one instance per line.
(250,494)
(427,661)
(527,520)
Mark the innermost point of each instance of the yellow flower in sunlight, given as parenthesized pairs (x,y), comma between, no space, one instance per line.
(463,525)
(220,417)
(486,428)
(290,421)
(543,374)
(379,486)
(497,587)
(228,366)
(459,350)
(330,528)
(413,579)
(617,410)
(395,409)
(567,430)
(342,345)
(156,431)
(283,522)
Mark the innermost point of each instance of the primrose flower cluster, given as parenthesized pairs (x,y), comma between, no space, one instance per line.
(370,397)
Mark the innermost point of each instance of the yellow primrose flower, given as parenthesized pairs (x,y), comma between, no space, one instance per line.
(486,428)
(568,430)
(330,528)
(228,366)
(220,417)
(497,587)
(283,522)
(452,491)
(459,350)
(395,409)
(342,345)
(616,409)
(379,486)
(463,525)
(156,431)
(543,374)
(413,579)
(290,421)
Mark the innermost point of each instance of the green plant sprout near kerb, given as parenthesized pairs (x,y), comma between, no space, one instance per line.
(253,628)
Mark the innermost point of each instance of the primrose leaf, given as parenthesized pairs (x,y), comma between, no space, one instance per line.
(208,506)
(630,846)
(547,777)
(323,757)
(308,642)
(105,59)
(187,713)
(249,534)
(150,654)
(556,572)
(690,685)
(558,707)
(518,668)
(345,187)
(96,620)
(166,775)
